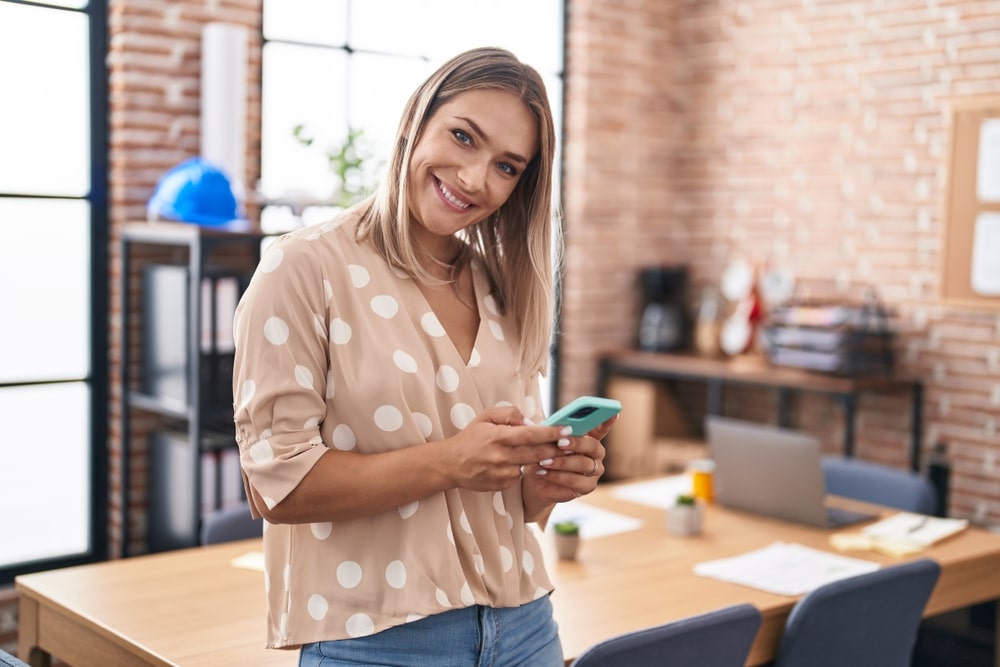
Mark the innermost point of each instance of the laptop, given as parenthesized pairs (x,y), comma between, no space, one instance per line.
(772,471)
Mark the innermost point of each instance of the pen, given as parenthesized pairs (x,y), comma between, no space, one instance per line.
(917,526)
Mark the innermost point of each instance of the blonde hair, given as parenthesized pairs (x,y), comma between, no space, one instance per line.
(517,244)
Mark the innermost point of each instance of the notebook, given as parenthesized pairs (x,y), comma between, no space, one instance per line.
(772,471)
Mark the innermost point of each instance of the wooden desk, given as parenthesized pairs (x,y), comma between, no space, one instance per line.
(192,608)
(757,372)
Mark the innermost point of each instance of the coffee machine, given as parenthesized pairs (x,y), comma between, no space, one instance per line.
(664,324)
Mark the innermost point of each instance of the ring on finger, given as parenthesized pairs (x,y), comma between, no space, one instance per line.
(594,471)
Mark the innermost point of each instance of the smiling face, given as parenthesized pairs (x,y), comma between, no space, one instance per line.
(467,162)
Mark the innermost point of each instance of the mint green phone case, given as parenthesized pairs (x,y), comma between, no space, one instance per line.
(585,413)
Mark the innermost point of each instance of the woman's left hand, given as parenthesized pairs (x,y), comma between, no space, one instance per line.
(569,476)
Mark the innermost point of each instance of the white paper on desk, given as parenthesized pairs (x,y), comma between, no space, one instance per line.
(784,568)
(660,492)
(593,521)
(252,560)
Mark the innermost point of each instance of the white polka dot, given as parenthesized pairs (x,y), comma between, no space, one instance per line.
(331,385)
(491,304)
(496,329)
(447,379)
(327,290)
(530,407)
(317,606)
(431,325)
(343,438)
(349,574)
(449,533)
(479,563)
(410,618)
(310,423)
(319,325)
(284,624)
(388,418)
(315,441)
(442,598)
(409,509)
(247,391)
(463,521)
(462,414)
(275,331)
(359,625)
(340,331)
(475,359)
(466,595)
(540,593)
(384,306)
(528,562)
(304,377)
(395,574)
(423,423)
(271,260)
(359,275)
(510,520)
(498,505)
(506,558)
(404,362)
(261,451)
(321,531)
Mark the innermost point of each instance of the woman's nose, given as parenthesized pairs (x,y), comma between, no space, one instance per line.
(472,175)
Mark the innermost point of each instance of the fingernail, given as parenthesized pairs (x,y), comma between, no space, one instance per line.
(541,471)
(528,422)
(566,430)
(563,442)
(546,462)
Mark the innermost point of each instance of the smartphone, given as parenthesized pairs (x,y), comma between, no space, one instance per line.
(584,413)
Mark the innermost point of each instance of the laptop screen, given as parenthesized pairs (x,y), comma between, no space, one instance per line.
(767,470)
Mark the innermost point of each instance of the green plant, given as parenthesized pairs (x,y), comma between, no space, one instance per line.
(567,528)
(347,162)
(685,499)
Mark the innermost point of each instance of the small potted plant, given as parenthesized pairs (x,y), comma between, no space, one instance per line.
(684,516)
(567,539)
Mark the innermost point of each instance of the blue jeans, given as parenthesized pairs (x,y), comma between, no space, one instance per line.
(525,636)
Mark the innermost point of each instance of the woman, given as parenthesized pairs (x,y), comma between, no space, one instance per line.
(386,394)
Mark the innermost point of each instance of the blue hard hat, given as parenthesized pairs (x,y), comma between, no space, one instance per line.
(195,191)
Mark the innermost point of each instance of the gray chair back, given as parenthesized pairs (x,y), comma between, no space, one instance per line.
(880,484)
(870,619)
(7,660)
(720,638)
(229,524)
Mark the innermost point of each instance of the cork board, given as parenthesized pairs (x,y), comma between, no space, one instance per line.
(971,248)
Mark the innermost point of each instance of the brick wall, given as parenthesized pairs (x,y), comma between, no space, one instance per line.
(811,136)
(155,97)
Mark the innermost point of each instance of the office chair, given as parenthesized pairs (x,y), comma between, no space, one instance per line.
(7,660)
(228,524)
(720,638)
(880,484)
(870,620)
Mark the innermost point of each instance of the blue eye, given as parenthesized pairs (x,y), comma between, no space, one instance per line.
(508,169)
(462,136)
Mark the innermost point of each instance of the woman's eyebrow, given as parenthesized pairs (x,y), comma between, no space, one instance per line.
(485,137)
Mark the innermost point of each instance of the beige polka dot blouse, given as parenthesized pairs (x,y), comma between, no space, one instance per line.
(336,349)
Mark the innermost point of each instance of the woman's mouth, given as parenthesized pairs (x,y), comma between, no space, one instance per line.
(450,197)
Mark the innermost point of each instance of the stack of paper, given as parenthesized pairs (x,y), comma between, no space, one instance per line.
(901,534)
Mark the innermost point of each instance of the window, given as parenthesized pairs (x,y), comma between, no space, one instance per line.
(53,225)
(330,66)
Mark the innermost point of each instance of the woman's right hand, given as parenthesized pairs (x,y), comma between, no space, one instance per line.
(489,453)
